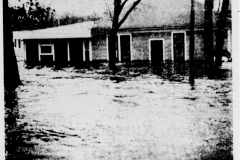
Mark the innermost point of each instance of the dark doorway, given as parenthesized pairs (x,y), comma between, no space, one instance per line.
(116,49)
(32,55)
(61,55)
(76,52)
(156,51)
(178,47)
(125,46)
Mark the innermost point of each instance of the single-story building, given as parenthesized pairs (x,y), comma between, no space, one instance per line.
(62,45)
(155,32)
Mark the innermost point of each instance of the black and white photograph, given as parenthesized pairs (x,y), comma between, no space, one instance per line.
(120,79)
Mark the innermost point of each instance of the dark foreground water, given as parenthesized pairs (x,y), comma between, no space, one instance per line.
(16,134)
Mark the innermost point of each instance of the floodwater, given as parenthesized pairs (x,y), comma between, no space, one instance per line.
(68,115)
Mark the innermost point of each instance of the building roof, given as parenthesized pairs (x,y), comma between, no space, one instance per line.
(151,14)
(161,14)
(78,30)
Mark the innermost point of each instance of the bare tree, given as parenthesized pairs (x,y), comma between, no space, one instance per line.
(221,30)
(208,37)
(11,74)
(118,18)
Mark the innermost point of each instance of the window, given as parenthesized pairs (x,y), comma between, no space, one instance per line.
(179,46)
(124,47)
(46,50)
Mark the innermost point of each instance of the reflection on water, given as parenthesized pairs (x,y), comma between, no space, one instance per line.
(16,136)
(19,137)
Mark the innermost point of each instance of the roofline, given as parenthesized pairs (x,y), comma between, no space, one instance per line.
(147,29)
(151,29)
(77,30)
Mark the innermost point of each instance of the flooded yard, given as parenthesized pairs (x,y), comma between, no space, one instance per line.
(84,114)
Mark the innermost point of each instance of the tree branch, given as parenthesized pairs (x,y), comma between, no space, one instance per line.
(128,12)
(109,11)
(123,4)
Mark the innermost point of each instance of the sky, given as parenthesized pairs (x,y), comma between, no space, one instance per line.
(78,7)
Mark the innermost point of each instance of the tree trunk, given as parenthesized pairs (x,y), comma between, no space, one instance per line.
(221,25)
(118,7)
(113,34)
(112,50)
(11,75)
(208,37)
(192,39)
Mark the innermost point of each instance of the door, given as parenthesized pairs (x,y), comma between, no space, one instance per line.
(32,55)
(76,52)
(178,46)
(125,48)
(61,53)
(156,51)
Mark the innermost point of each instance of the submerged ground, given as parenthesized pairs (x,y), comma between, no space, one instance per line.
(95,114)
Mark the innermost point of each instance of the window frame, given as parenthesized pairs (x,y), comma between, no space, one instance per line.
(46,54)
(150,49)
(119,45)
(185,44)
(19,43)
(15,42)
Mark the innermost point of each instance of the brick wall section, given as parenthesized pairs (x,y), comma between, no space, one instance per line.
(199,45)
(99,47)
(140,44)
